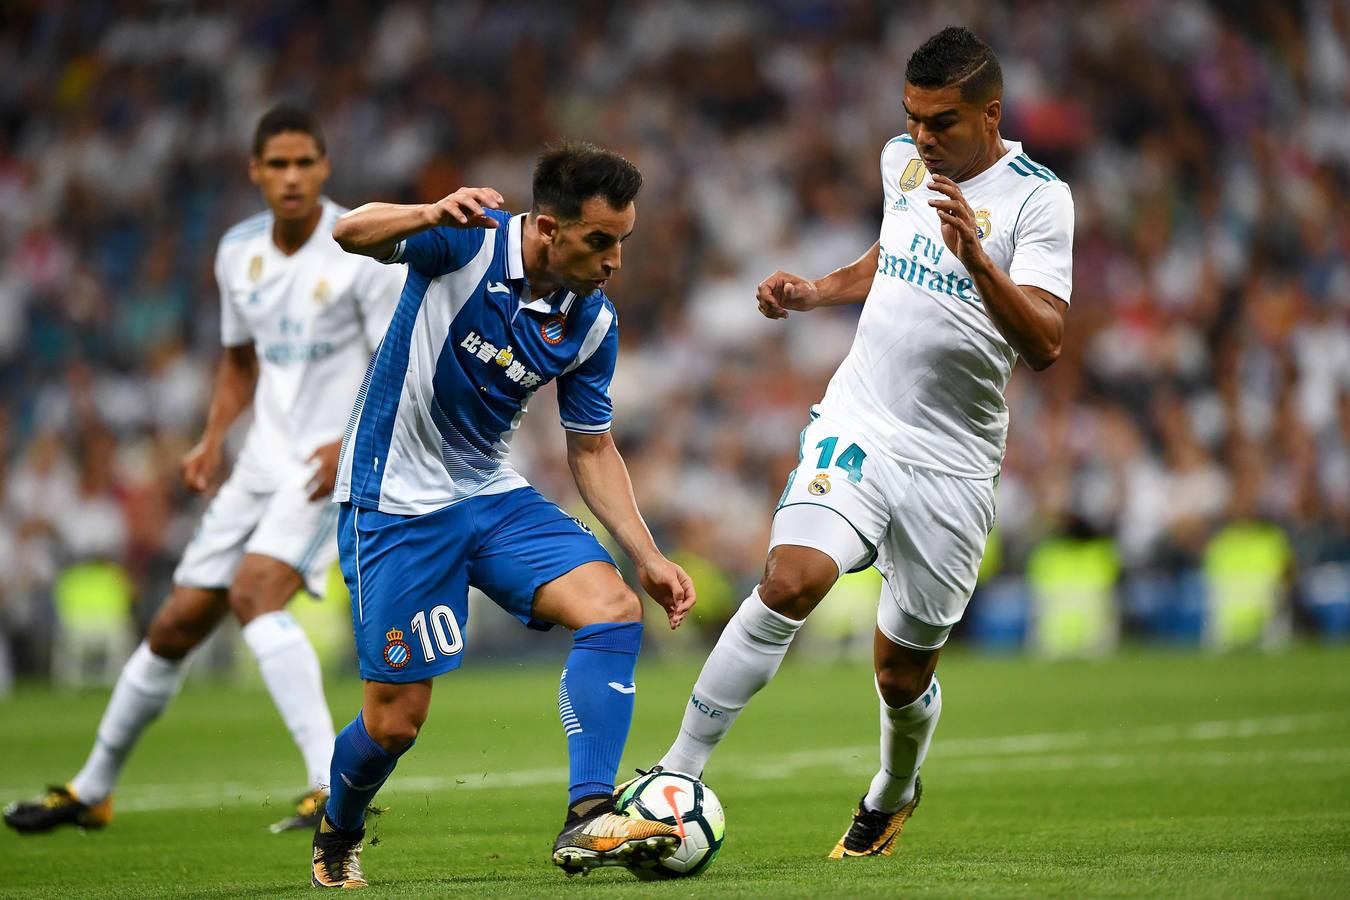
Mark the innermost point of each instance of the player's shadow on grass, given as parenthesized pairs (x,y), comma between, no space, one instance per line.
(535,884)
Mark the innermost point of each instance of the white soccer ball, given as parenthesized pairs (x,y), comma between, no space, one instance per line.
(689,806)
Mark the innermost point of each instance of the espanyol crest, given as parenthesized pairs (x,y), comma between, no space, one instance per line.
(553,329)
(396,652)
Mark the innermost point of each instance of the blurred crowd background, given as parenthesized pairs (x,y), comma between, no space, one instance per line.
(1182,472)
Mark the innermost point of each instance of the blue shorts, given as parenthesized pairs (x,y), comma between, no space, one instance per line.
(409,576)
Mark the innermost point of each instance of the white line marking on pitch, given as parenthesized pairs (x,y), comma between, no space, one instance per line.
(1012,752)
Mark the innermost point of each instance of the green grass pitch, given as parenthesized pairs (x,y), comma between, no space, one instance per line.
(1151,774)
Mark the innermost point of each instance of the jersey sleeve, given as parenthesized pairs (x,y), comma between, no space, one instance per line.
(1043,241)
(583,392)
(891,155)
(438,250)
(233,329)
(377,290)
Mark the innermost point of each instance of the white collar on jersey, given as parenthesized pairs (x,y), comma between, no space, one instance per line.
(515,270)
(545,304)
(515,256)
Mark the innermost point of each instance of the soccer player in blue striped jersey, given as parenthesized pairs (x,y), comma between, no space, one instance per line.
(495,305)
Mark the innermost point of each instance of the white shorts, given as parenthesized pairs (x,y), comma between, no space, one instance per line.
(283,524)
(924,530)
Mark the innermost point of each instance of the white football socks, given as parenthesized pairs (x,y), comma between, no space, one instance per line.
(746,656)
(145,687)
(905,735)
(291,670)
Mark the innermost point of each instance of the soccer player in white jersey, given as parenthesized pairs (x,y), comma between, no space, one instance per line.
(299,321)
(900,459)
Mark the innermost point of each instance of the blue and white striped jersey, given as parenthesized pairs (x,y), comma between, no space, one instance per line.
(466,350)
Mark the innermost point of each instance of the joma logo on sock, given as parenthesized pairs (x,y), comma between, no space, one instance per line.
(704,708)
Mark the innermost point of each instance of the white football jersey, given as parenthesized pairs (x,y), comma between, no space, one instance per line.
(927,371)
(314,318)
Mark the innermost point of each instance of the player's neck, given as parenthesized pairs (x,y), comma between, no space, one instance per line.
(991,155)
(290,235)
(535,258)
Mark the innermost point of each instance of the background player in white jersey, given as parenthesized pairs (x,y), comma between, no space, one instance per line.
(900,459)
(299,320)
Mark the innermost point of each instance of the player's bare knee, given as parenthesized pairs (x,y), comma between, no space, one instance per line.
(171,636)
(250,598)
(621,605)
(394,731)
(615,603)
(398,738)
(900,685)
(791,591)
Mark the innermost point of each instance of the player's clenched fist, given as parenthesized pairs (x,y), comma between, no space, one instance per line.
(783,291)
(464,208)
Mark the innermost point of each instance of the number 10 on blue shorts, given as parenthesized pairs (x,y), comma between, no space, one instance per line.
(409,576)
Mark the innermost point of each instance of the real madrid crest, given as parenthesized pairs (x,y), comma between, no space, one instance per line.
(396,652)
(820,485)
(322,292)
(255,268)
(983,224)
(913,175)
(553,329)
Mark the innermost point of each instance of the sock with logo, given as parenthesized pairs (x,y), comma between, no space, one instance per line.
(595,701)
(147,683)
(905,735)
(746,657)
(291,670)
(360,769)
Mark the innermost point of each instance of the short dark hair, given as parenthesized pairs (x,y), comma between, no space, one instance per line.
(567,175)
(957,56)
(287,117)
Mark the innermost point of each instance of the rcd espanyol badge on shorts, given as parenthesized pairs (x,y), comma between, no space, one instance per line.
(820,485)
(982,223)
(396,652)
(553,329)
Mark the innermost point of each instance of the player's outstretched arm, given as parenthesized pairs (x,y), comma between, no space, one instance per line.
(236,377)
(376,228)
(602,478)
(783,291)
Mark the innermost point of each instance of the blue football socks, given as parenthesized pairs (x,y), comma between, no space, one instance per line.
(360,768)
(595,700)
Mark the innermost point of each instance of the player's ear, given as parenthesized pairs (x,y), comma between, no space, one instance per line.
(325,168)
(547,226)
(254,170)
(993,113)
